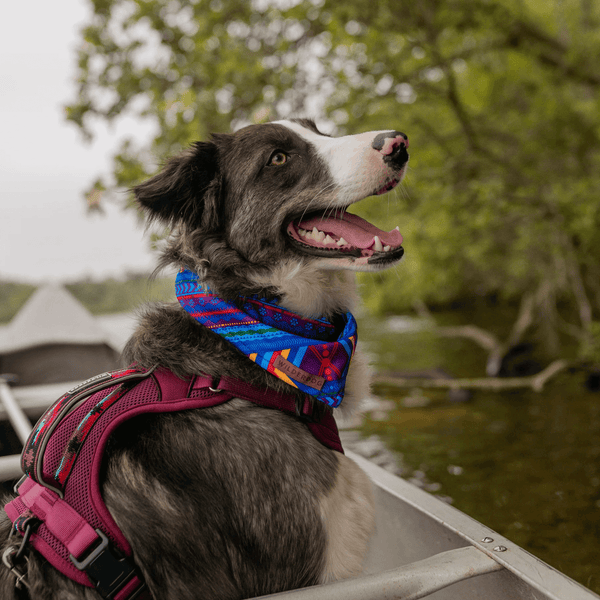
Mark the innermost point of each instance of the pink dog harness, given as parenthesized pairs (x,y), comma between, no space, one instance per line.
(60,509)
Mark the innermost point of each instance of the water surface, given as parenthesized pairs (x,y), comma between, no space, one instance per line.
(526,464)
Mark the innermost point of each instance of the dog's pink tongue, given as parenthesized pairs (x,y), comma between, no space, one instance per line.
(356,231)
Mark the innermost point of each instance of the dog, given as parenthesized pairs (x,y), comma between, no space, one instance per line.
(237,501)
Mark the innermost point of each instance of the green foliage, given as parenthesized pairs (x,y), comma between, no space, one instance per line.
(99,297)
(115,296)
(590,349)
(499,99)
(12,296)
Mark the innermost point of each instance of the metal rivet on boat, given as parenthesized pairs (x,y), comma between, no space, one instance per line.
(487,540)
(500,549)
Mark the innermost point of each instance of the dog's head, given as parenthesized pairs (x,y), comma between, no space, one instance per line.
(243,203)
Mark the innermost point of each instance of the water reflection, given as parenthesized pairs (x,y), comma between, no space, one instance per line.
(523,463)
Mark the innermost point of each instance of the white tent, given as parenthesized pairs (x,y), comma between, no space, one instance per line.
(54,338)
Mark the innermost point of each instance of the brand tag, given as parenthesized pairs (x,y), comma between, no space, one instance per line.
(285,366)
(94,379)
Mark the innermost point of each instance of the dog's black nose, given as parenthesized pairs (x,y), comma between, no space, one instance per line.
(393,145)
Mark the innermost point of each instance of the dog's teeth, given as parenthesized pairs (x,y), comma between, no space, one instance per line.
(302,232)
(378,245)
(328,240)
(342,242)
(397,228)
(317,235)
(387,248)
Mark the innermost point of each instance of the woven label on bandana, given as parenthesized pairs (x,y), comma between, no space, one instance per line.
(313,381)
(312,355)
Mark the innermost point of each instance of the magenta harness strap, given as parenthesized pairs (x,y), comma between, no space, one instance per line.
(60,507)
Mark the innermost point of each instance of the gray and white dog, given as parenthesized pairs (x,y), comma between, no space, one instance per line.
(237,501)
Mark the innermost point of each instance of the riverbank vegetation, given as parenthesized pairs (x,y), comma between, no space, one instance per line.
(500,99)
(99,297)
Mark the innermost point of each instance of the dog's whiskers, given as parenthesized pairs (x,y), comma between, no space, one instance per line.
(333,210)
(315,197)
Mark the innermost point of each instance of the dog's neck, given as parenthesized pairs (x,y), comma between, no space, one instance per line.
(308,291)
(302,286)
(303,289)
(312,292)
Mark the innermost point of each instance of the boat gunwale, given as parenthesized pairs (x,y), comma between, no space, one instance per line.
(527,567)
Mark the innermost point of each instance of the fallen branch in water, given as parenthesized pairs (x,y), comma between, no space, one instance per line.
(495,348)
(535,382)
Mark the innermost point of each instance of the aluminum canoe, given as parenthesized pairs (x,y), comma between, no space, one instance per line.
(422,548)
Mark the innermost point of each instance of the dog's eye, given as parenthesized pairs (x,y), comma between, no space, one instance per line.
(278,158)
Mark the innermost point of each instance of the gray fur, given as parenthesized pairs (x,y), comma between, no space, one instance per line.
(222,516)
(228,502)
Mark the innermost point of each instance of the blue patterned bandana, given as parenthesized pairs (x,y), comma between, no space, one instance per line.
(308,354)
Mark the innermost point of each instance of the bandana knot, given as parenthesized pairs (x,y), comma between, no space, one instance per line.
(312,355)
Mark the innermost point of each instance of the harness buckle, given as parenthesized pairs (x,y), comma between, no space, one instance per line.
(107,572)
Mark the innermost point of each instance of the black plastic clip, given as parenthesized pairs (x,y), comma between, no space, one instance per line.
(107,572)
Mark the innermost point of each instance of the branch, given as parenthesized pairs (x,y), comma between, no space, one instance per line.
(551,51)
(495,384)
(539,381)
(578,287)
(524,320)
(488,341)
(484,338)
(459,110)
(593,283)
(520,326)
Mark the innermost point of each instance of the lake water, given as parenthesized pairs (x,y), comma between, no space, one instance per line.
(526,464)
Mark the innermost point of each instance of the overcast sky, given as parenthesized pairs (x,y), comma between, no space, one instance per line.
(45,233)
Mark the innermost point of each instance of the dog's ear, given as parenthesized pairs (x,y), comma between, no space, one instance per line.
(177,192)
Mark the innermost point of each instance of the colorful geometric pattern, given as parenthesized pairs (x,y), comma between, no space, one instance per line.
(312,355)
(82,431)
(48,420)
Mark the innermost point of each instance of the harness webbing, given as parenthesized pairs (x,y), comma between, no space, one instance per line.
(60,495)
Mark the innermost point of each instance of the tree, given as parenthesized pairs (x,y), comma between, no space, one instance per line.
(499,98)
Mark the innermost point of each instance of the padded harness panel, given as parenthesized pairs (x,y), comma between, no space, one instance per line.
(61,490)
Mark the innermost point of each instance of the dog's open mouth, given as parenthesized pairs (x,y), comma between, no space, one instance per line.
(344,234)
